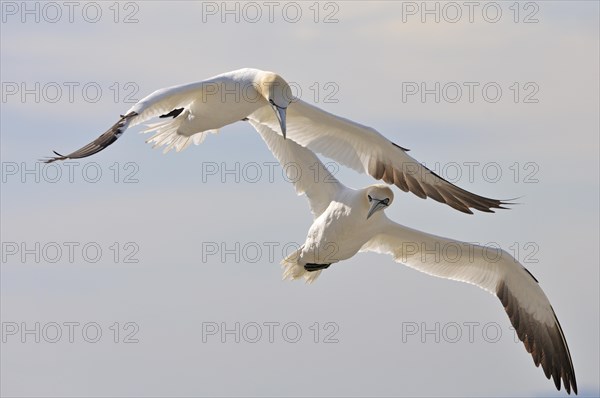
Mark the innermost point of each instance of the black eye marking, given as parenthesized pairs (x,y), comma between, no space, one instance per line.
(370,198)
(386,201)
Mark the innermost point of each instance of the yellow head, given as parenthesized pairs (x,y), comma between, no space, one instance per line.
(378,197)
(278,93)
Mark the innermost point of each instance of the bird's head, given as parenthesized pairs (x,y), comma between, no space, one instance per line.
(378,197)
(278,93)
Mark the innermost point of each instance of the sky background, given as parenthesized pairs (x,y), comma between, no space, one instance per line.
(171,251)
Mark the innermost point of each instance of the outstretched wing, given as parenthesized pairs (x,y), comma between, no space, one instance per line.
(497,272)
(364,149)
(303,168)
(107,138)
(172,103)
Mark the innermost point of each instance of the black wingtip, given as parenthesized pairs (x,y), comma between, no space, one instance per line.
(53,159)
(508,202)
(557,383)
(99,144)
(512,200)
(398,146)
(462,209)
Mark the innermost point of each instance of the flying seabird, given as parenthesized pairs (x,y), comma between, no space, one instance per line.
(265,98)
(348,221)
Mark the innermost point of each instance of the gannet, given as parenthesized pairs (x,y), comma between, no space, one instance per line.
(348,221)
(195,110)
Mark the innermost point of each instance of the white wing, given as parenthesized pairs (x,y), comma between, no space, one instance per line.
(172,102)
(495,271)
(303,168)
(191,112)
(364,149)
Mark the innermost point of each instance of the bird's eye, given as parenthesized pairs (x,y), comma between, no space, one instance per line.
(386,201)
(370,198)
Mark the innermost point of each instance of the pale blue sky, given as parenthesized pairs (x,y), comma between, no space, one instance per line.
(174,210)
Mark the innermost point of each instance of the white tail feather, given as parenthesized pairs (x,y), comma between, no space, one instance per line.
(292,270)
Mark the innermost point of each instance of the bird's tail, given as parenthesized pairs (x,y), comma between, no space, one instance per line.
(293,270)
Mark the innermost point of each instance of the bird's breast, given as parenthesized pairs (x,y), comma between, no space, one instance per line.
(336,235)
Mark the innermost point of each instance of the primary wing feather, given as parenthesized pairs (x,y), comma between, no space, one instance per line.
(167,102)
(364,149)
(497,272)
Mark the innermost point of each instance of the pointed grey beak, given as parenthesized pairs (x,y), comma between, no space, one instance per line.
(280,113)
(377,205)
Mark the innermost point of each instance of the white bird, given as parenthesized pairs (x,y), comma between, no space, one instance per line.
(265,98)
(198,109)
(348,221)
